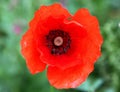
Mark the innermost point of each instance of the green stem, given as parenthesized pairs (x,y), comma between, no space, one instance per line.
(51,89)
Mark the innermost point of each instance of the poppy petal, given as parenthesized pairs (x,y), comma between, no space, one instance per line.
(55,10)
(93,43)
(68,78)
(30,53)
(90,23)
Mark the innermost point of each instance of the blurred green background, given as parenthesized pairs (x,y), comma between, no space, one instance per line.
(14,18)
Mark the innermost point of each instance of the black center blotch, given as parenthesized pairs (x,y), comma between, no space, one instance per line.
(58,49)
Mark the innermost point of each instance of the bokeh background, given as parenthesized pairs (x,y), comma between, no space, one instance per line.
(14,18)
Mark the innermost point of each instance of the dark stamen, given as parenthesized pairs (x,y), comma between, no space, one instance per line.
(58,42)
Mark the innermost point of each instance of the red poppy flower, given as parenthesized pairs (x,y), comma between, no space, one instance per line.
(68,44)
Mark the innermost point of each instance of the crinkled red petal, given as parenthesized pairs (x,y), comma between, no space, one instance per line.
(92,45)
(54,10)
(31,54)
(70,77)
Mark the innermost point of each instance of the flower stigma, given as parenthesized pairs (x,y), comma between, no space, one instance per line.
(58,41)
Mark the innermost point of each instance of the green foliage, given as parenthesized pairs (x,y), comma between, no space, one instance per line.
(14,18)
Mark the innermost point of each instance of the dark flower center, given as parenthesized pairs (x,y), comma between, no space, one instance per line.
(58,42)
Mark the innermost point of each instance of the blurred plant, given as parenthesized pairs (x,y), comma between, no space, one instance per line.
(14,76)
